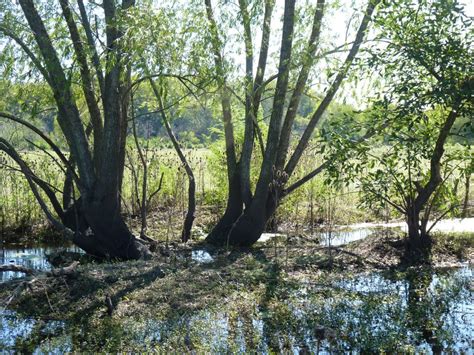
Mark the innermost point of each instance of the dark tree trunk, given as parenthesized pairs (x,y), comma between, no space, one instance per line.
(244,228)
(248,228)
(234,206)
(252,223)
(418,242)
(111,236)
(68,190)
(467,186)
(190,214)
(100,230)
(95,217)
(233,211)
(414,232)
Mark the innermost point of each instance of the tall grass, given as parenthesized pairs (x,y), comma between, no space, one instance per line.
(313,205)
(18,207)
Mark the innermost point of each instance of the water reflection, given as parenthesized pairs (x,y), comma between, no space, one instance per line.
(339,235)
(419,310)
(336,238)
(30,257)
(28,335)
(201,256)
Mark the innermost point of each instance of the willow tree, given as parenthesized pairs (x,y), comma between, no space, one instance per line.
(248,210)
(428,74)
(72,54)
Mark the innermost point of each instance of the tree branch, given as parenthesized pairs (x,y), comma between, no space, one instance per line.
(68,113)
(8,148)
(249,132)
(86,83)
(303,143)
(28,52)
(274,129)
(90,40)
(308,61)
(225,96)
(53,146)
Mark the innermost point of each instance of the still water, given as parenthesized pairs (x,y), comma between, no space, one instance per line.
(32,257)
(425,311)
(340,235)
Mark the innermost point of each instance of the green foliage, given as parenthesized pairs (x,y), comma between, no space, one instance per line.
(427,72)
(426,60)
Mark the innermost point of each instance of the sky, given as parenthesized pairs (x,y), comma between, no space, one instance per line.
(335,33)
(339,27)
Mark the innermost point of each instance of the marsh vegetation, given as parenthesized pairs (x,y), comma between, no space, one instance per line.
(253,176)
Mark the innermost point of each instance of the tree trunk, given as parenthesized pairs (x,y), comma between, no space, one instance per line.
(100,230)
(111,236)
(414,233)
(244,229)
(467,186)
(418,242)
(247,229)
(234,208)
(95,217)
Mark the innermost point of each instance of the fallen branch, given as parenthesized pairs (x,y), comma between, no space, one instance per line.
(68,270)
(374,263)
(17,268)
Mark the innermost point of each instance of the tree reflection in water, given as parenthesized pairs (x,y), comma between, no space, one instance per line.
(417,310)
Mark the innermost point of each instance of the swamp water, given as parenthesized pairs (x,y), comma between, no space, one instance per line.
(420,310)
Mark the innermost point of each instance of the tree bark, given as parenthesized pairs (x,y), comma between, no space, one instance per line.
(249,132)
(100,228)
(418,238)
(300,85)
(87,83)
(68,117)
(90,41)
(414,227)
(234,208)
(234,205)
(331,92)
(143,203)
(274,129)
(467,187)
(247,227)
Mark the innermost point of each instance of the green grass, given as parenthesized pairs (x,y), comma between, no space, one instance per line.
(314,202)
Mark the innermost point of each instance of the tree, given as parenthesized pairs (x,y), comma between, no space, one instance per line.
(248,210)
(428,85)
(467,187)
(93,220)
(174,74)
